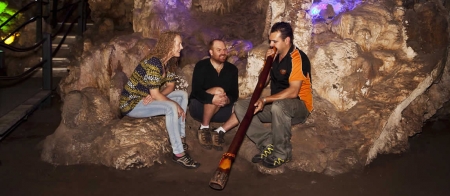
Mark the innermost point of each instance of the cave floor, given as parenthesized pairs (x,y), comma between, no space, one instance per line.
(423,170)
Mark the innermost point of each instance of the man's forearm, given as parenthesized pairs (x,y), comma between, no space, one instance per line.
(288,93)
(202,96)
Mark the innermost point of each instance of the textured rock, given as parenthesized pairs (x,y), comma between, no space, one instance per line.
(89,135)
(151,17)
(294,11)
(333,64)
(254,66)
(118,81)
(121,54)
(85,117)
(136,143)
(220,6)
(119,11)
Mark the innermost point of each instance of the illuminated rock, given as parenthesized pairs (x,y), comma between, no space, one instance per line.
(155,16)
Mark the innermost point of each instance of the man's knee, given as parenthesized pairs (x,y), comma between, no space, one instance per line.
(215,90)
(278,108)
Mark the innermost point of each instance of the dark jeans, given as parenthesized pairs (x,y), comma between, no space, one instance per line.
(196,111)
(282,114)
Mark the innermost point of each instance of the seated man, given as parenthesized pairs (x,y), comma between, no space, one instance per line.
(290,101)
(214,91)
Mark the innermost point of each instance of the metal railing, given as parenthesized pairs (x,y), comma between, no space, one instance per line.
(44,40)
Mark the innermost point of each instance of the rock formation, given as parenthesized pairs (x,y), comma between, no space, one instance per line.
(379,70)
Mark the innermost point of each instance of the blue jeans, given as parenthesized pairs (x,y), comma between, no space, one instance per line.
(175,126)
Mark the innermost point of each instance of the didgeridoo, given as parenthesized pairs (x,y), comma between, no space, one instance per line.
(220,177)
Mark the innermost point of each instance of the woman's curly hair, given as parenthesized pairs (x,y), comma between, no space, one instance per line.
(164,46)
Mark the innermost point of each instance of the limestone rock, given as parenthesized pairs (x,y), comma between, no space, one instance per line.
(119,11)
(85,117)
(136,143)
(215,6)
(371,26)
(332,66)
(293,11)
(255,63)
(121,54)
(118,81)
(155,16)
(420,17)
(187,72)
(89,135)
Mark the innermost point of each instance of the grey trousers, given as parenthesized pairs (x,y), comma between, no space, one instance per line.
(282,114)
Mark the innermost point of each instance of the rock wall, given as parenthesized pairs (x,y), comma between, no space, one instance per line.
(119,11)
(151,17)
(90,134)
(112,62)
(214,6)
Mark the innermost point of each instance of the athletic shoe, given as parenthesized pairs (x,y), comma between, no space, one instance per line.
(273,162)
(185,161)
(266,152)
(204,138)
(218,140)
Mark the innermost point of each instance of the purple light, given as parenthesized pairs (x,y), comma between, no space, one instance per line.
(336,4)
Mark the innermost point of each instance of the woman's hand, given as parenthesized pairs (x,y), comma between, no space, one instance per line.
(147,100)
(181,112)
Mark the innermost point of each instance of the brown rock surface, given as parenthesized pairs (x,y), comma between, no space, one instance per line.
(88,134)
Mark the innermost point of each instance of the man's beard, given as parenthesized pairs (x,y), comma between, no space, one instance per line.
(220,59)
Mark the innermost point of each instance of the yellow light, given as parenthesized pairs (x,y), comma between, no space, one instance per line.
(10,40)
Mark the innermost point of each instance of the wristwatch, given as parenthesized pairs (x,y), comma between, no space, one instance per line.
(264,100)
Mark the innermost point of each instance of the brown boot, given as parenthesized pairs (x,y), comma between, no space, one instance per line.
(218,140)
(204,138)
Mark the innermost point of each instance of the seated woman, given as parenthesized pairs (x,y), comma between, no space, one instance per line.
(143,97)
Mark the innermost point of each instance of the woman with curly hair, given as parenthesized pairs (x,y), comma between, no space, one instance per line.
(143,97)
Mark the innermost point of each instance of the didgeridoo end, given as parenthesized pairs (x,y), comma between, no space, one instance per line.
(219,179)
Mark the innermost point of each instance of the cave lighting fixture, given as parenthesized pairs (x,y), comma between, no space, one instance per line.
(10,39)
